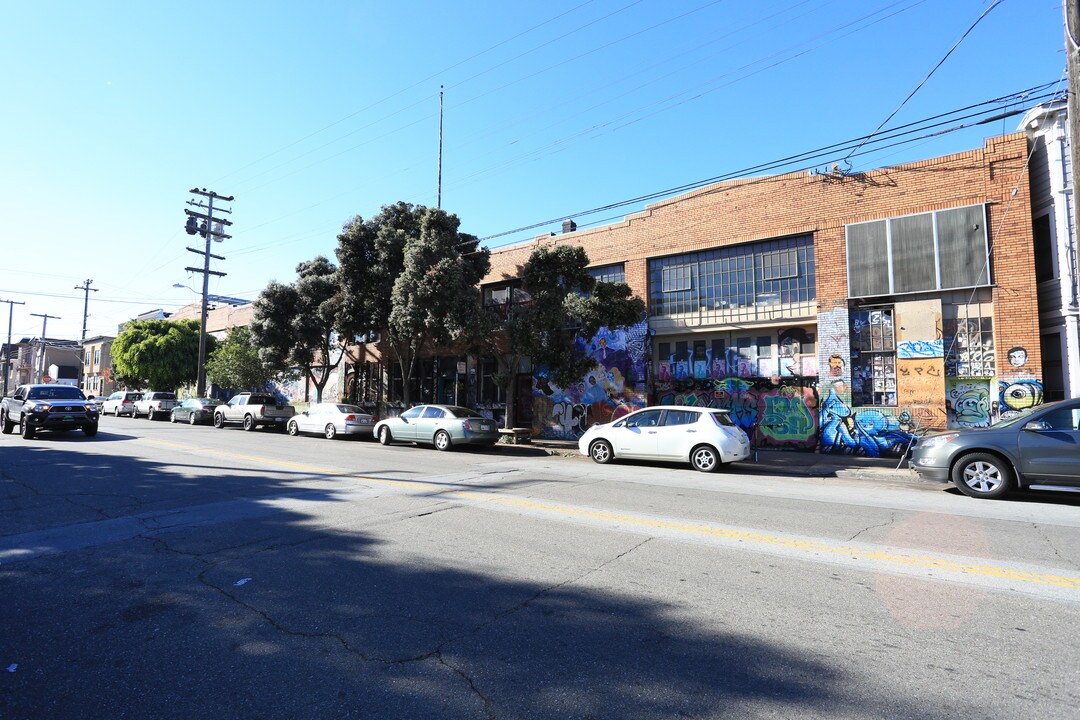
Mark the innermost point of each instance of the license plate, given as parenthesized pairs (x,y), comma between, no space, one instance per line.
(68,418)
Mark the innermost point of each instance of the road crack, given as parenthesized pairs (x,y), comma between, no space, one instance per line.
(890,521)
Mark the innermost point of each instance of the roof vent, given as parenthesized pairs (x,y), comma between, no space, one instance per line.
(568,226)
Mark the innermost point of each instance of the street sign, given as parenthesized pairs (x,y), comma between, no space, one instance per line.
(46,378)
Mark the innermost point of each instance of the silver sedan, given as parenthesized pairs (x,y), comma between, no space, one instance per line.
(331,420)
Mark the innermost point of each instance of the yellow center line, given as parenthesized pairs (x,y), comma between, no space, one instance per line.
(806,545)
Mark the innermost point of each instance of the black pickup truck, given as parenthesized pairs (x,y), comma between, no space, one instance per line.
(48,407)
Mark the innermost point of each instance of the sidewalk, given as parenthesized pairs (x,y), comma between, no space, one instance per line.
(783,462)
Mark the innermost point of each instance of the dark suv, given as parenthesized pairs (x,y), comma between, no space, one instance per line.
(1038,449)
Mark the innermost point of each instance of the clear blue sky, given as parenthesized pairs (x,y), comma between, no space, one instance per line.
(311,113)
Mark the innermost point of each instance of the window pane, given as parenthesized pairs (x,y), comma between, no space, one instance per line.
(913,253)
(868,268)
(962,247)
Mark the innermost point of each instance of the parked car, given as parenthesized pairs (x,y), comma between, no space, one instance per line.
(120,403)
(1038,449)
(705,437)
(47,407)
(331,420)
(194,411)
(153,403)
(443,426)
(252,410)
(98,400)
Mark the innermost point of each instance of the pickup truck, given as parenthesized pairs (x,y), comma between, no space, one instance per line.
(154,404)
(252,410)
(48,407)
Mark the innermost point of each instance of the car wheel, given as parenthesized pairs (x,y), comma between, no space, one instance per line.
(192,419)
(293,429)
(384,435)
(90,430)
(5,424)
(442,440)
(330,432)
(24,429)
(704,458)
(249,423)
(600,451)
(982,475)
(172,418)
(219,420)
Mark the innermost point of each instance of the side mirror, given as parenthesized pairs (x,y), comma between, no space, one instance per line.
(1037,425)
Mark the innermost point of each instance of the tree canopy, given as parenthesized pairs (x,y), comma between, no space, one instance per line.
(158,354)
(296,325)
(561,302)
(236,364)
(435,301)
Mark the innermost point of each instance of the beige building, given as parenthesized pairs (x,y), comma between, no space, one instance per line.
(97,366)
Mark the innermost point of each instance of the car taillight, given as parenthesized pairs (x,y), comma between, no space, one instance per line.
(467,425)
(262,410)
(350,418)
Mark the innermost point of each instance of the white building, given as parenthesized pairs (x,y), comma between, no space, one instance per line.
(1053,219)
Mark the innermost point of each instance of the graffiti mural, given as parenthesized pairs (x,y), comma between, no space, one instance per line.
(920,349)
(779,413)
(968,403)
(1015,396)
(606,393)
(867,432)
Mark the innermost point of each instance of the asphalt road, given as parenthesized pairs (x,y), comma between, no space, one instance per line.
(164,571)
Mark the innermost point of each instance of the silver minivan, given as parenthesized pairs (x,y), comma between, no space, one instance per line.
(121,402)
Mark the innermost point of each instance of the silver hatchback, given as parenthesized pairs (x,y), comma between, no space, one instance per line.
(1037,450)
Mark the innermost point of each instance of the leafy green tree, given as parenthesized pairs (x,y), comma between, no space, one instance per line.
(435,301)
(158,354)
(296,325)
(564,303)
(236,364)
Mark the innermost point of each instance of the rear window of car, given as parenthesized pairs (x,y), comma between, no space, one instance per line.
(57,392)
(461,412)
(133,396)
(163,396)
(351,409)
(261,400)
(722,418)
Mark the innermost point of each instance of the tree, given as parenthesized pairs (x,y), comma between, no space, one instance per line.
(297,325)
(435,302)
(564,302)
(236,363)
(158,354)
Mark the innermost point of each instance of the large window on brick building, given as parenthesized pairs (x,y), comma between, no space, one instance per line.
(608,273)
(873,357)
(940,250)
(759,274)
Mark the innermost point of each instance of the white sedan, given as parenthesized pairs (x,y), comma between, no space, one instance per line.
(331,420)
(705,437)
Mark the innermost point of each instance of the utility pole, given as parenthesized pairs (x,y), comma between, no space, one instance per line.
(210,228)
(85,287)
(7,348)
(438,190)
(44,321)
(1072,66)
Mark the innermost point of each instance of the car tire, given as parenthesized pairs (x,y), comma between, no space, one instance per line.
(249,423)
(116,411)
(293,429)
(442,441)
(705,458)
(219,420)
(5,424)
(172,418)
(601,453)
(982,475)
(25,430)
(193,419)
(385,437)
(330,432)
(90,430)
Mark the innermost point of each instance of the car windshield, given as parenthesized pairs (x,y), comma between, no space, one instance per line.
(463,412)
(56,392)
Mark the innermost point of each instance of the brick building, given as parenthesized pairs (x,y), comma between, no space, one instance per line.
(843,312)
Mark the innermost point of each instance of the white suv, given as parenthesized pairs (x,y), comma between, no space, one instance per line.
(120,403)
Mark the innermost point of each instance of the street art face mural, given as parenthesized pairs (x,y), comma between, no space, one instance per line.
(605,394)
(1018,356)
(1018,395)
(968,403)
(869,432)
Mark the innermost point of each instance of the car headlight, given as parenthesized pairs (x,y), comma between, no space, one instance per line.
(935,441)
(41,407)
